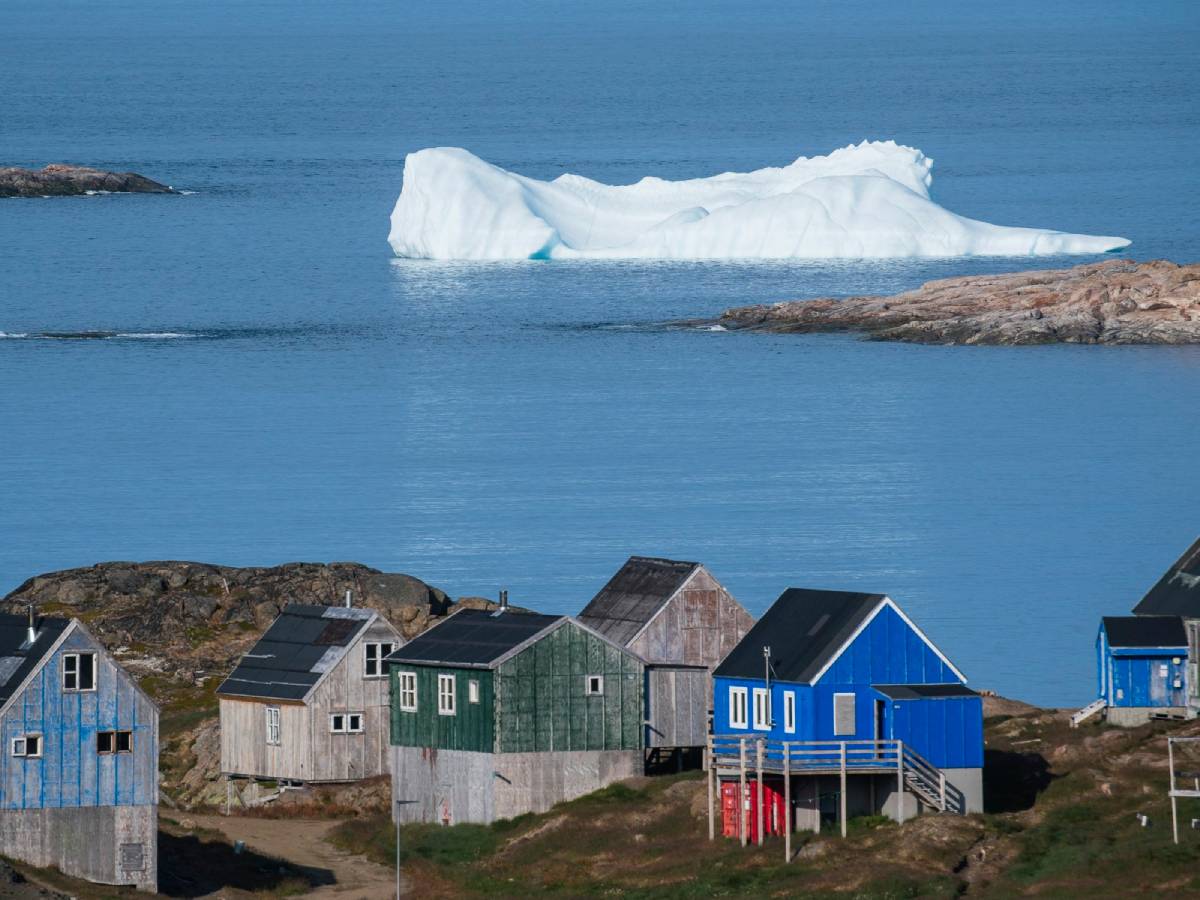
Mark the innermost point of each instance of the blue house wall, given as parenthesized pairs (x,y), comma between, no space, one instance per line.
(70,772)
(946,731)
(1141,676)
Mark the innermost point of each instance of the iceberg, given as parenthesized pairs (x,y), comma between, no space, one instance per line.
(869,200)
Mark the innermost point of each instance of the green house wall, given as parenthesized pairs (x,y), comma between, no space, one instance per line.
(542,702)
(471,728)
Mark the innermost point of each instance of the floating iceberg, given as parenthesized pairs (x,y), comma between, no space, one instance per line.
(870,200)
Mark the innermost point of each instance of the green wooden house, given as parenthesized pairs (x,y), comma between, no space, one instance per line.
(499,713)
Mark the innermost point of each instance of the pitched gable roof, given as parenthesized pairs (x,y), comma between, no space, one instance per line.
(476,638)
(17,657)
(805,630)
(301,645)
(1177,593)
(1145,631)
(634,595)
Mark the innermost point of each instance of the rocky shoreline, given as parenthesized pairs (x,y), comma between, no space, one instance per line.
(1110,302)
(57,180)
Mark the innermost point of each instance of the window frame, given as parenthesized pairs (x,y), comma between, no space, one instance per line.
(76,656)
(380,668)
(23,740)
(738,703)
(274,727)
(853,714)
(447,691)
(336,727)
(114,737)
(762,694)
(351,728)
(587,685)
(347,724)
(473,691)
(406,684)
(789,712)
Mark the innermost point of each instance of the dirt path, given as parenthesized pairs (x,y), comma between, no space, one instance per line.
(302,843)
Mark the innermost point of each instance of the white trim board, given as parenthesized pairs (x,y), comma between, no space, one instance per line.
(886,602)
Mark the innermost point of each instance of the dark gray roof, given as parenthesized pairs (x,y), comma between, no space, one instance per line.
(301,645)
(17,657)
(634,595)
(804,629)
(924,691)
(1145,631)
(1178,591)
(474,637)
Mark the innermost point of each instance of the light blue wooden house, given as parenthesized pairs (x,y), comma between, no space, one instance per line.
(79,768)
(870,715)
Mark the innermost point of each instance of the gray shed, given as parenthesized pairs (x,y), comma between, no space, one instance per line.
(682,621)
(309,702)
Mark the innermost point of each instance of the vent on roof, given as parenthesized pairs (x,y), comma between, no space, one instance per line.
(818,625)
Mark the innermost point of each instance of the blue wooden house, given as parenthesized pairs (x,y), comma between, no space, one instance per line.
(78,756)
(853,709)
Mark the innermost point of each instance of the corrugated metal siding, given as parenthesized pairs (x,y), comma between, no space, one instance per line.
(472,726)
(70,772)
(541,699)
(1148,680)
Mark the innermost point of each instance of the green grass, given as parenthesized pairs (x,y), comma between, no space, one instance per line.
(375,838)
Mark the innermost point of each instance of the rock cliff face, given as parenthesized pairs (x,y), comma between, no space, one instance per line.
(57,180)
(1111,302)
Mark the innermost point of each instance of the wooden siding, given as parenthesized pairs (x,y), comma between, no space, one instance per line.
(677,702)
(698,626)
(470,728)
(542,703)
(70,773)
(307,750)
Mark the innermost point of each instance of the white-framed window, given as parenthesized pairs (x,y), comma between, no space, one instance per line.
(345,723)
(594,684)
(445,695)
(27,745)
(762,709)
(374,653)
(843,714)
(737,707)
(473,691)
(789,712)
(406,684)
(79,671)
(273,725)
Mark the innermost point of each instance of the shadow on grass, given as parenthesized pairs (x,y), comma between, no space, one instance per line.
(1012,780)
(192,866)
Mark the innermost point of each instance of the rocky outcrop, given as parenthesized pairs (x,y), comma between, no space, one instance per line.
(1111,302)
(57,180)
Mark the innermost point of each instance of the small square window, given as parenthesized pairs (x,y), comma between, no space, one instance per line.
(18,746)
(337,724)
(595,684)
(106,741)
(375,653)
(472,691)
(28,745)
(354,723)
(124,741)
(79,671)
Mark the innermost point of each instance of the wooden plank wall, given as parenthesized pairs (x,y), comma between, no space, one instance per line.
(678,701)
(70,773)
(470,728)
(244,747)
(697,627)
(542,703)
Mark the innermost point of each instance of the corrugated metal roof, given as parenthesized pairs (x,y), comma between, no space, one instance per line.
(924,691)
(804,629)
(19,657)
(1177,593)
(474,637)
(634,595)
(1145,631)
(299,647)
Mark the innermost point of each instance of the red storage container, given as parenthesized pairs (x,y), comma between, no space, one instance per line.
(775,814)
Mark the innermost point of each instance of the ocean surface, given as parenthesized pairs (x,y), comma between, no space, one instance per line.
(279,387)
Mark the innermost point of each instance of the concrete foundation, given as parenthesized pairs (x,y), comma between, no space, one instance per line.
(453,786)
(1132,716)
(105,844)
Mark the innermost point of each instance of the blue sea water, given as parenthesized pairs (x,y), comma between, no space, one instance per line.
(528,426)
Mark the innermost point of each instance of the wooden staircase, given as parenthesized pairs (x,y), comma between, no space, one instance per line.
(1088,711)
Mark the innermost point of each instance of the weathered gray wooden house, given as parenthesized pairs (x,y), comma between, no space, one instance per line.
(309,702)
(79,770)
(499,713)
(679,619)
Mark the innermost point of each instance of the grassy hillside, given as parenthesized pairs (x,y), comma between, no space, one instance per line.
(1061,822)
